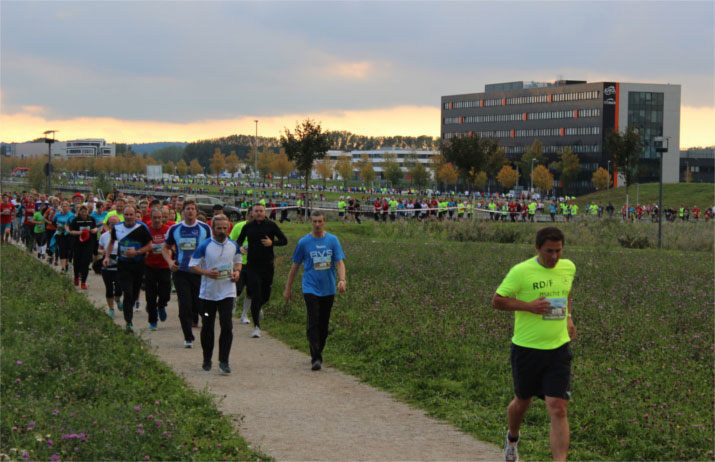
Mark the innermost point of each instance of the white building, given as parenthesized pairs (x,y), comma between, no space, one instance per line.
(403,158)
(91,147)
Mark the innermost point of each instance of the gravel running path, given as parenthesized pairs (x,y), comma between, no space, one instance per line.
(291,413)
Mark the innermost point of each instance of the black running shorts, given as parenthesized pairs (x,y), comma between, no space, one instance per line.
(541,372)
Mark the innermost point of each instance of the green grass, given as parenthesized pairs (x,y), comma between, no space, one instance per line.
(417,321)
(674,195)
(75,387)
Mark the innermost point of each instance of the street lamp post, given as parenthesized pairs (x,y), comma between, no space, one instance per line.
(531,189)
(48,167)
(662,149)
(255,165)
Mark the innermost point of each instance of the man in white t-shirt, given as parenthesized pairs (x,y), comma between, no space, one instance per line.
(218,261)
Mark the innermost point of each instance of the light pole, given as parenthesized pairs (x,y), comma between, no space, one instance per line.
(255,165)
(608,166)
(48,167)
(531,189)
(662,149)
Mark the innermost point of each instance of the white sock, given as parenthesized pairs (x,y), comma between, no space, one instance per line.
(246,306)
(42,249)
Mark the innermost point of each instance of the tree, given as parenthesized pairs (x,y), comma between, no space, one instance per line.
(478,179)
(344,168)
(282,166)
(507,177)
(36,176)
(543,178)
(168,153)
(448,174)
(169,167)
(420,175)
(305,146)
(601,178)
(232,162)
(265,163)
(436,163)
(626,149)
(366,170)
(218,162)
(568,166)
(182,168)
(535,151)
(324,168)
(391,170)
(195,167)
(495,160)
(466,153)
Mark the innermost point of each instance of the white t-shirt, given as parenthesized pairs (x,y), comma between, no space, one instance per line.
(103,243)
(211,254)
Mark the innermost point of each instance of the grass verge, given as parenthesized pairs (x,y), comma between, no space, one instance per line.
(75,387)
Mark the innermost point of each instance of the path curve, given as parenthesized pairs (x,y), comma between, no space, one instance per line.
(292,413)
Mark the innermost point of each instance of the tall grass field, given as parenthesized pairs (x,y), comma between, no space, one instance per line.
(417,321)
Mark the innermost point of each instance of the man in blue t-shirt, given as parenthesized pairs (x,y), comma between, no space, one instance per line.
(321,254)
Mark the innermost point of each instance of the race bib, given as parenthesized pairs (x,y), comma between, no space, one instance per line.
(83,227)
(156,249)
(558,309)
(123,253)
(225,271)
(321,263)
(187,244)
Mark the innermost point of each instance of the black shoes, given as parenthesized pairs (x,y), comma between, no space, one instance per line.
(224,367)
(317,365)
(206,366)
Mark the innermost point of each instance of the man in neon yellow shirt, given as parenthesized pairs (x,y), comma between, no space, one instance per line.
(532,210)
(241,283)
(538,291)
(118,208)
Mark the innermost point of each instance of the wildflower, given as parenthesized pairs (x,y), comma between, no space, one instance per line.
(55,412)
(50,443)
(55,457)
(19,363)
(140,431)
(137,408)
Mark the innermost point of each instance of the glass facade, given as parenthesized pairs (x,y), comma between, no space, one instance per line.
(645,113)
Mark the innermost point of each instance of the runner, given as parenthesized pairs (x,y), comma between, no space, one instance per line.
(183,238)
(262,235)
(112,288)
(218,261)
(241,283)
(321,254)
(83,230)
(62,220)
(538,291)
(7,212)
(39,229)
(157,276)
(50,229)
(134,242)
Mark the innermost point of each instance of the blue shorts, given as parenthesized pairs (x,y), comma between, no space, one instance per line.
(4,227)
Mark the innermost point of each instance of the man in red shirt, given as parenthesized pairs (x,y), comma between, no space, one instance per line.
(696,212)
(7,212)
(157,276)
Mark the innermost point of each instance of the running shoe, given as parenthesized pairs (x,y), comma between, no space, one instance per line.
(511,452)
(206,366)
(256,333)
(110,313)
(224,367)
(162,314)
(188,344)
(152,326)
(317,365)
(84,286)
(120,307)
(244,320)
(129,328)
(76,281)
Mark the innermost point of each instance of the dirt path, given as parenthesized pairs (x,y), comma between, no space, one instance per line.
(292,413)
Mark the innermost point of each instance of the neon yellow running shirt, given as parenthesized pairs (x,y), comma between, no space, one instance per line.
(528,281)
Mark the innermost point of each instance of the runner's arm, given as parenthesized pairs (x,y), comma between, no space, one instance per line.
(538,306)
(279,239)
(289,281)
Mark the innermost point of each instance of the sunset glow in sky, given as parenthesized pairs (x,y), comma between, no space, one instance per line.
(138,72)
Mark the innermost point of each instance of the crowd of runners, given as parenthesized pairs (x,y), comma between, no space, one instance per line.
(166,246)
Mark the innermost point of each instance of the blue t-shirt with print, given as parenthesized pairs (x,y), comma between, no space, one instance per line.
(187,239)
(318,256)
(99,217)
(62,221)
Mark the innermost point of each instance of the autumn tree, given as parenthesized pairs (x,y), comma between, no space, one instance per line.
(478,179)
(507,177)
(543,178)
(495,160)
(282,166)
(568,166)
(324,169)
(448,174)
(600,179)
(218,162)
(344,168)
(391,171)
(169,167)
(306,145)
(265,163)
(467,153)
(365,169)
(232,162)
(195,167)
(536,153)
(420,175)
(182,168)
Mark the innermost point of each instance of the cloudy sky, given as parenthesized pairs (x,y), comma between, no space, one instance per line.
(181,71)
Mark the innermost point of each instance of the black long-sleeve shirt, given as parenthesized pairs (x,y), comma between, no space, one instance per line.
(260,256)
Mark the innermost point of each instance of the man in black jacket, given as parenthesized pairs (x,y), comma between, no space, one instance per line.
(262,235)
